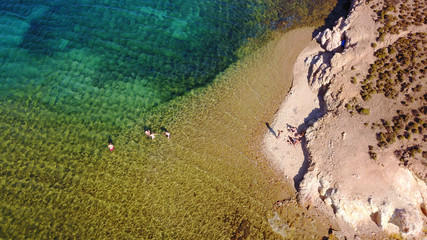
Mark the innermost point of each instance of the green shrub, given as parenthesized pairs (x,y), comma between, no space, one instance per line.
(407,135)
(390,9)
(364,111)
(419,121)
(417,88)
(386,124)
(373,155)
(391,138)
(397,128)
(404,117)
(381,53)
(382,144)
(381,137)
(365,96)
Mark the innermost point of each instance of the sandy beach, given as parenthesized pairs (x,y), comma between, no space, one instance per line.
(300,109)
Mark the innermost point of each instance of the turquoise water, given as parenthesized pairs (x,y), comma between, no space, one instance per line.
(74,74)
(80,58)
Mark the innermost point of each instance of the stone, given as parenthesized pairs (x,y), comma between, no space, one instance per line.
(331,40)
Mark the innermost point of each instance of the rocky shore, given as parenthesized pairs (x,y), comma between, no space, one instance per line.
(358,162)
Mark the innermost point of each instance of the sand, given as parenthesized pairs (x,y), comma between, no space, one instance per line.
(300,108)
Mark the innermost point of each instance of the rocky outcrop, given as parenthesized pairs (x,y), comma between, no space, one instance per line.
(342,180)
(333,40)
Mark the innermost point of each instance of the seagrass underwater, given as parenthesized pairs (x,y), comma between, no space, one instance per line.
(74,74)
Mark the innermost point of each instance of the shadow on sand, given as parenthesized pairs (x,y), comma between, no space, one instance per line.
(312,117)
(271,129)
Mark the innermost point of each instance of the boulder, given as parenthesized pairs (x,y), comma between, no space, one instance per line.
(331,40)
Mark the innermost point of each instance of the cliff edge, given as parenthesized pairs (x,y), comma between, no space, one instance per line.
(367,159)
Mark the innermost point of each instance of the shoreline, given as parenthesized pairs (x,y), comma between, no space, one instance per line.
(335,169)
(248,93)
(300,109)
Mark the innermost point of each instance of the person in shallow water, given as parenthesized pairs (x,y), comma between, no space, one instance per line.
(150,134)
(110,144)
(153,135)
(111,147)
(167,134)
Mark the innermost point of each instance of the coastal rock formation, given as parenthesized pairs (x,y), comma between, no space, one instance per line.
(332,40)
(368,196)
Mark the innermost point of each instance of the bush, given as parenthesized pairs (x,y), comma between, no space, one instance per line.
(407,135)
(386,123)
(419,121)
(381,137)
(404,117)
(373,155)
(391,50)
(381,53)
(365,96)
(364,111)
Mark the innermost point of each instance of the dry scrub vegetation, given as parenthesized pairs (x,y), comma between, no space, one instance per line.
(399,74)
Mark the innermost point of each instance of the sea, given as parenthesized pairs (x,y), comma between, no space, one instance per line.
(78,75)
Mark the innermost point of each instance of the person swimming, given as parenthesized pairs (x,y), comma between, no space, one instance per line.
(167,134)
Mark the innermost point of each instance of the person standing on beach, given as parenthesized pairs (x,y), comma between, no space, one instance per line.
(278,133)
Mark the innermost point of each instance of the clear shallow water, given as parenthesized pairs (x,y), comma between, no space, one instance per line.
(92,52)
(74,74)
